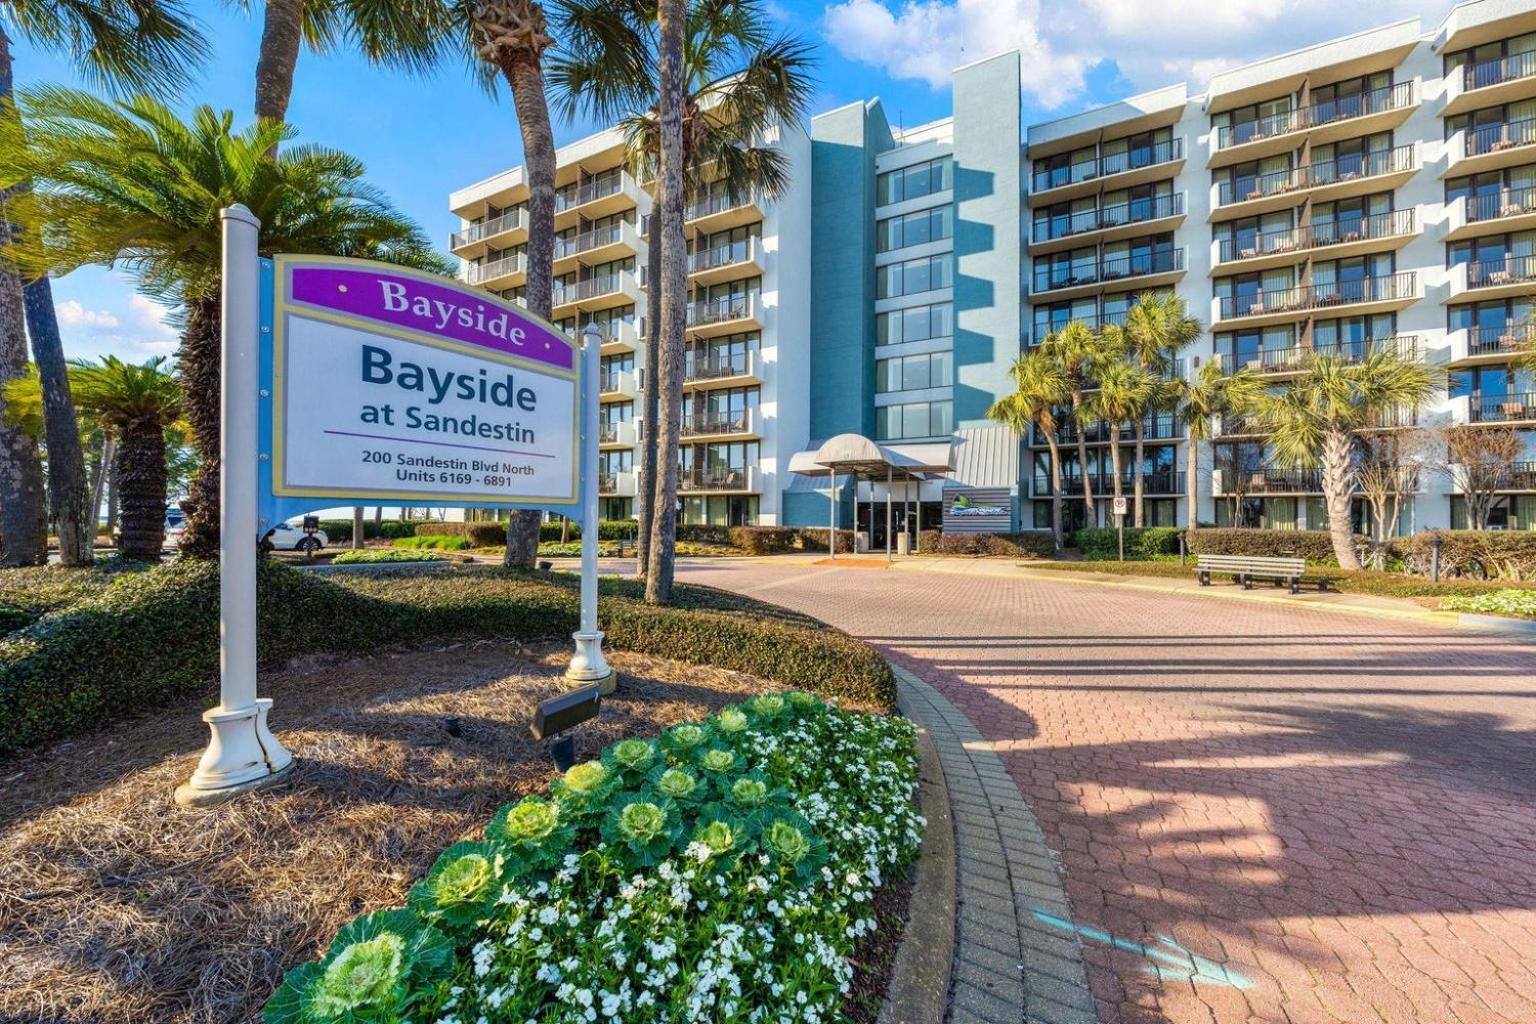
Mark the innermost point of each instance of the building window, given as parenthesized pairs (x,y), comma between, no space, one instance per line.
(913,276)
(916,323)
(1507,512)
(913,229)
(912,373)
(915,419)
(912,182)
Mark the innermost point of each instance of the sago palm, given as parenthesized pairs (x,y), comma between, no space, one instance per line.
(1314,417)
(1040,388)
(131,184)
(1076,348)
(141,45)
(1157,328)
(1199,401)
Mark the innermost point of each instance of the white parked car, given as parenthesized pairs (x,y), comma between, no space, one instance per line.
(291,536)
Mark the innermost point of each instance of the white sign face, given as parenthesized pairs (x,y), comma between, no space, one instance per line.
(1120,506)
(369,404)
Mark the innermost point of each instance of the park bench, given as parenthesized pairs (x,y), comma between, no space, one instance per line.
(1245,569)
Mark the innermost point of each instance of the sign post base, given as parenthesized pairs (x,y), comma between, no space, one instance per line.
(242,755)
(588,666)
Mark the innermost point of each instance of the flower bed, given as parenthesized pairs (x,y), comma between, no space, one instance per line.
(1518,603)
(367,556)
(725,871)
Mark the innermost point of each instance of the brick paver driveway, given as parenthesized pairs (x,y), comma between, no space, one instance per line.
(1264,814)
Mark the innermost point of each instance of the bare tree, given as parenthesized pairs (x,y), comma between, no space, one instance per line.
(1480,461)
(1390,461)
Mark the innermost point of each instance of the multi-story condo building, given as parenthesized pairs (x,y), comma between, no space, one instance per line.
(747,367)
(1372,192)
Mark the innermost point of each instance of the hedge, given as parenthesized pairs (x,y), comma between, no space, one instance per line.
(1506,554)
(151,637)
(370,556)
(1031,544)
(339,531)
(434,542)
(1316,546)
(479,535)
(1142,543)
(778,540)
(26,595)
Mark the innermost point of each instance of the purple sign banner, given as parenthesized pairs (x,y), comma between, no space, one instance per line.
(429,305)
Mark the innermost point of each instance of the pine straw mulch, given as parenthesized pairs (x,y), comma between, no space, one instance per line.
(115,905)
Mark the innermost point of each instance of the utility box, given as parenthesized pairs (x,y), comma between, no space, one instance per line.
(903,543)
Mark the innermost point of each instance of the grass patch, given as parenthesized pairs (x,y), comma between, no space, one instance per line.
(367,556)
(433,542)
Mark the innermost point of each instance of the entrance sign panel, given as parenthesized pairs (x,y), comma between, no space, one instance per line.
(392,386)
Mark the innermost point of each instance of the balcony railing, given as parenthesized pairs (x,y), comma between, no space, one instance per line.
(722,310)
(1156,482)
(701,425)
(704,367)
(1113,216)
(607,483)
(1269,480)
(1374,101)
(1324,172)
(1502,408)
(714,202)
(1510,339)
(611,433)
(718,478)
(1117,268)
(1093,323)
(1158,428)
(1521,476)
(1495,138)
(571,245)
(591,190)
(591,288)
(489,228)
(1289,360)
(1315,236)
(1099,167)
(1502,271)
(1496,72)
(517,263)
(721,256)
(1307,298)
(1508,202)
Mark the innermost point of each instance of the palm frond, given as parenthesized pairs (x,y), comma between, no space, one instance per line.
(120,45)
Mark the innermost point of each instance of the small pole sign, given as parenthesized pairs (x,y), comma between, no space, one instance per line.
(1120,524)
(349,382)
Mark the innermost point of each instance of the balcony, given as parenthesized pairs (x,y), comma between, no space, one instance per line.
(725,315)
(717,211)
(1520,477)
(1227,482)
(1113,222)
(1148,270)
(718,478)
(1339,238)
(1353,175)
(1120,170)
(1505,277)
(1508,409)
(1284,362)
(1493,147)
(1475,346)
(597,245)
(1509,209)
(701,371)
(698,426)
(603,291)
(506,272)
(617,485)
(1339,298)
(1489,84)
(494,227)
(598,196)
(1157,482)
(1158,428)
(617,384)
(619,336)
(1329,121)
(725,262)
(618,435)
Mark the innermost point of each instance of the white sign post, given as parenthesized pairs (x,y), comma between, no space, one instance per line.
(588,666)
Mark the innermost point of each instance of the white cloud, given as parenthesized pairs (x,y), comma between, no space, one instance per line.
(137,333)
(1152,43)
(74,316)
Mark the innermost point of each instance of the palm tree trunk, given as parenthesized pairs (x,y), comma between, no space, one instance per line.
(1082,458)
(1050,442)
(66,461)
(198,367)
(525,78)
(650,479)
(101,466)
(1138,487)
(359,528)
(140,463)
(281,34)
(1192,486)
(1338,480)
(1114,459)
(674,283)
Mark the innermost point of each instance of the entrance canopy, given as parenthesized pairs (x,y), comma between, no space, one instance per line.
(857,457)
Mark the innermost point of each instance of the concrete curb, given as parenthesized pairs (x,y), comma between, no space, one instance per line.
(1009,963)
(1498,624)
(918,992)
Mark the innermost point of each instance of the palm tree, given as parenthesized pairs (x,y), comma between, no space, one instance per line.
(1199,401)
(1076,348)
(131,183)
(1125,394)
(1157,328)
(1314,417)
(127,44)
(1040,387)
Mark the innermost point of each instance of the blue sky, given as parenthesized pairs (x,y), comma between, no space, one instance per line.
(423,137)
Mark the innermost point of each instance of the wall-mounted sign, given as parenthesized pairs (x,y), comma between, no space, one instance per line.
(390,385)
(978,510)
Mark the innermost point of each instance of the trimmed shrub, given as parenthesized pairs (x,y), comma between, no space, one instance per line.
(704,533)
(766,540)
(433,542)
(1030,544)
(368,556)
(1505,554)
(395,530)
(26,595)
(1143,543)
(1316,546)
(479,535)
(814,539)
(339,531)
(152,637)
